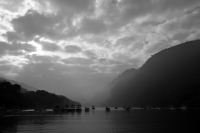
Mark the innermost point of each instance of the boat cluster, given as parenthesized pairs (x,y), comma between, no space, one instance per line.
(88,109)
(125,108)
(71,108)
(67,108)
(78,109)
(160,107)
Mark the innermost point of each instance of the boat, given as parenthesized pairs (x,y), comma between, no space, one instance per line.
(116,108)
(107,109)
(128,108)
(183,107)
(87,109)
(93,107)
(144,107)
(66,109)
(79,108)
(72,109)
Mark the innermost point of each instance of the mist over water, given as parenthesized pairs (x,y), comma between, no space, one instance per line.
(99,121)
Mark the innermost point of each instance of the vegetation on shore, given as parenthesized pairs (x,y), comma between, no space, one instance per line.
(12,98)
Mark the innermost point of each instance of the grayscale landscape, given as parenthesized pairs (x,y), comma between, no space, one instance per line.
(85,66)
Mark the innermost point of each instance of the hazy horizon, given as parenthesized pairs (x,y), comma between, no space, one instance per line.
(76,47)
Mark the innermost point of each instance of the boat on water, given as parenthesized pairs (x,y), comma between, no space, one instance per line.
(183,107)
(67,109)
(79,108)
(127,108)
(107,109)
(87,109)
(93,107)
(116,107)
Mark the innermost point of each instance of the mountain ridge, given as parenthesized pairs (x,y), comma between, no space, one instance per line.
(24,87)
(104,93)
(163,80)
(13,96)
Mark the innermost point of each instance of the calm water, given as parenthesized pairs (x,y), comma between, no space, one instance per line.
(99,121)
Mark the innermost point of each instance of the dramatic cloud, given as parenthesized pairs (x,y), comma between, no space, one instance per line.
(5,48)
(33,24)
(72,5)
(90,54)
(72,49)
(93,26)
(76,47)
(49,46)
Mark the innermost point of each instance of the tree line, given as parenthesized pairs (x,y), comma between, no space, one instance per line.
(12,98)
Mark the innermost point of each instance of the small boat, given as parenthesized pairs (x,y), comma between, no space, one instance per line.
(107,109)
(71,109)
(145,107)
(56,108)
(79,108)
(87,109)
(93,107)
(128,108)
(148,107)
(183,107)
(116,108)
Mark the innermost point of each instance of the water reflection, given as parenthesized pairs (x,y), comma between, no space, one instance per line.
(9,124)
(116,121)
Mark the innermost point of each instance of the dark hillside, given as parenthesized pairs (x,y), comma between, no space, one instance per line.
(169,78)
(11,97)
(105,93)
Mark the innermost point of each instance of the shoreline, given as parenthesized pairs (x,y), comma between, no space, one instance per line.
(51,112)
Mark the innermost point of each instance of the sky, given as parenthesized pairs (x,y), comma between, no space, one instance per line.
(76,47)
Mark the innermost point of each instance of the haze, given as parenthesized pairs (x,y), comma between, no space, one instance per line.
(76,47)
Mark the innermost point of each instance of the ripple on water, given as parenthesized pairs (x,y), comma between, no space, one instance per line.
(99,121)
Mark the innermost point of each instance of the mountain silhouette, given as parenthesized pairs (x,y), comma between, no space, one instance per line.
(169,78)
(13,96)
(105,93)
(24,87)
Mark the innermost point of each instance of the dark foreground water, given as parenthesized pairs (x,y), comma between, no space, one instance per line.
(99,121)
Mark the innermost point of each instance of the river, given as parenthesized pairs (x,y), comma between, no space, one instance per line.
(100,121)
